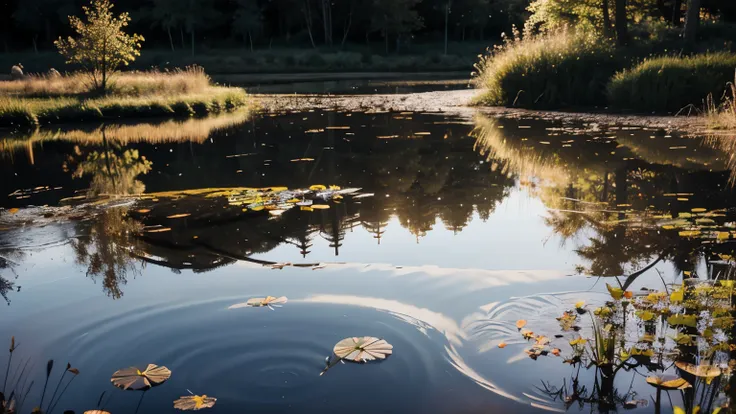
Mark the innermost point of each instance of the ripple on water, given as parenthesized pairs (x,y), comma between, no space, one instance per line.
(257,358)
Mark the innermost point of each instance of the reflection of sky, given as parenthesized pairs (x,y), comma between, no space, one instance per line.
(514,237)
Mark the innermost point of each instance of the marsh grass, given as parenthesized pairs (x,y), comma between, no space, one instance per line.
(40,100)
(672,83)
(551,70)
(191,80)
(24,112)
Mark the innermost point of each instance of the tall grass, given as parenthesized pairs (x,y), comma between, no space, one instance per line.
(187,81)
(671,83)
(552,70)
(24,112)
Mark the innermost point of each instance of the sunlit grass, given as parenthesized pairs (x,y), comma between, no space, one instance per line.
(672,83)
(187,81)
(39,100)
(549,70)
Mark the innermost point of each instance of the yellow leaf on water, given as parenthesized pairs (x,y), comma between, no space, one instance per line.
(668,227)
(689,233)
(305,208)
(677,296)
(580,304)
(143,211)
(698,210)
(317,187)
(578,341)
(678,410)
(555,352)
(520,323)
(320,206)
(723,235)
(13,210)
(502,345)
(628,294)
(616,293)
(645,315)
(176,216)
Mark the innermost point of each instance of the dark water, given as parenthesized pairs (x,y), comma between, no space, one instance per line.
(473,224)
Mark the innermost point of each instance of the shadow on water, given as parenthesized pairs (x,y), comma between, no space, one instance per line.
(623,201)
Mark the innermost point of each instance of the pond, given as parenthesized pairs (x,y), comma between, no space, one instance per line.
(436,232)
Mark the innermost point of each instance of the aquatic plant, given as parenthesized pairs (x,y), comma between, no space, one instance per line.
(134,378)
(269,301)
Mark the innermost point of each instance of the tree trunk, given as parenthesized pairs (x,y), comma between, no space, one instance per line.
(171,39)
(692,19)
(606,17)
(347,29)
(447,20)
(677,12)
(622,29)
(35,45)
(307,11)
(327,21)
(181,32)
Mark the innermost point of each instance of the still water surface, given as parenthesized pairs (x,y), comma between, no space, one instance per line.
(473,223)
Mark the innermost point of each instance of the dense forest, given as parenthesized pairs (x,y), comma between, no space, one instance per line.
(390,25)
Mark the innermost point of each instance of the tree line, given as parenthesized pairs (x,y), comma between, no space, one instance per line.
(394,25)
(187,24)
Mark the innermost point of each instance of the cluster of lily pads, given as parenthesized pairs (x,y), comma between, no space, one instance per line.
(699,223)
(277,200)
(685,329)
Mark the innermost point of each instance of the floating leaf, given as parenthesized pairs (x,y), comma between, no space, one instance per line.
(260,302)
(580,304)
(176,216)
(520,323)
(502,345)
(365,348)
(527,334)
(578,341)
(645,315)
(677,296)
(320,206)
(628,294)
(698,210)
(703,371)
(134,379)
(689,233)
(142,211)
(686,320)
(96,412)
(317,187)
(194,402)
(555,352)
(668,382)
(616,293)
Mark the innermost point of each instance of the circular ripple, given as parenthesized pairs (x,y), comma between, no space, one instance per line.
(256,358)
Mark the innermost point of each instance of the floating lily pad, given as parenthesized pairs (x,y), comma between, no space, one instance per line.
(668,382)
(194,402)
(260,302)
(703,371)
(96,412)
(362,349)
(134,379)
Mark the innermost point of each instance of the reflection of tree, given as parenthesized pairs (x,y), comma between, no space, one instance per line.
(107,250)
(8,261)
(114,170)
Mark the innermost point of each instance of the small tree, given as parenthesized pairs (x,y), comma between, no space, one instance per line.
(101,45)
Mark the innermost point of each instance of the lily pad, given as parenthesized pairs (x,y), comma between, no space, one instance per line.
(194,402)
(362,349)
(668,382)
(260,302)
(134,379)
(96,412)
(703,371)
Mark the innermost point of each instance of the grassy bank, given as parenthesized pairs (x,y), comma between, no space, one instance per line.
(38,100)
(672,83)
(549,71)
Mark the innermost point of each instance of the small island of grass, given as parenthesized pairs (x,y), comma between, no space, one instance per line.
(99,91)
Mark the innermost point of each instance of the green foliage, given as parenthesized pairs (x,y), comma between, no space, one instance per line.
(101,45)
(672,83)
(395,18)
(560,69)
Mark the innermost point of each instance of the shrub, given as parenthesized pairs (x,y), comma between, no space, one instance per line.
(672,83)
(553,70)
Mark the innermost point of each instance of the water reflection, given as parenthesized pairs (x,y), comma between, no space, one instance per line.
(615,199)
